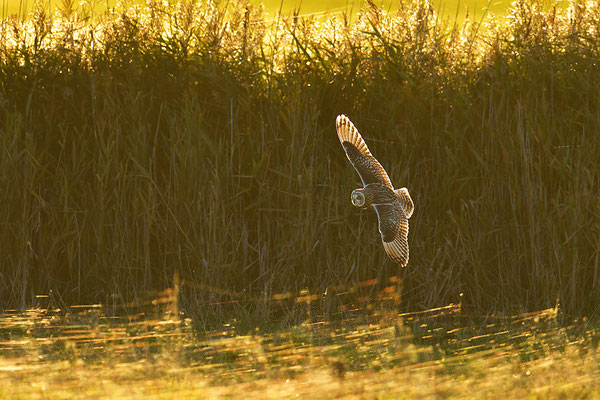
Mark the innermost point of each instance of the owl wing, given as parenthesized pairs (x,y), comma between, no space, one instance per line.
(406,201)
(368,168)
(393,226)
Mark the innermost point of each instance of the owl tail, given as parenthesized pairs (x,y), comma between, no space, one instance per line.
(407,203)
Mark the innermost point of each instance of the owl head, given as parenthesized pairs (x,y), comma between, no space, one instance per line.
(358,198)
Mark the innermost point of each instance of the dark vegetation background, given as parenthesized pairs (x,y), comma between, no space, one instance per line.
(201,139)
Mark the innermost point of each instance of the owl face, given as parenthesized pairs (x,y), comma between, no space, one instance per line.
(358,198)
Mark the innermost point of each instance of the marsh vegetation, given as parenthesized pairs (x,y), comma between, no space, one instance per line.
(188,150)
(192,138)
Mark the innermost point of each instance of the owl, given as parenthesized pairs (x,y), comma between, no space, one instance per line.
(393,206)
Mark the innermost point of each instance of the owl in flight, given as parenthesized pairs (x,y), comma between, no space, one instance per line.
(393,206)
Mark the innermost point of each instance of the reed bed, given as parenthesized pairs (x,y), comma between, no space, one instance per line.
(199,139)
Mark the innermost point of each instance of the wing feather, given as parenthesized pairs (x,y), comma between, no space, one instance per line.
(393,226)
(367,166)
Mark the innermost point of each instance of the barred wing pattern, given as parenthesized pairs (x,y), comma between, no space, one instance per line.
(393,226)
(368,168)
(406,200)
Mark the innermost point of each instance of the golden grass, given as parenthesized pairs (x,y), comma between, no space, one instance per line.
(89,355)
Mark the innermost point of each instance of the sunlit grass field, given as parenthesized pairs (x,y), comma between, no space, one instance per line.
(440,353)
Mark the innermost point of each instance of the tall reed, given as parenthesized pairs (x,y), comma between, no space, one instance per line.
(193,137)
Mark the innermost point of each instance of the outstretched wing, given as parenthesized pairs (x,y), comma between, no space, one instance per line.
(393,226)
(407,203)
(368,168)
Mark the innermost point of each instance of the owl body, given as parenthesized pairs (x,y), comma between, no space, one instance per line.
(393,206)
(376,193)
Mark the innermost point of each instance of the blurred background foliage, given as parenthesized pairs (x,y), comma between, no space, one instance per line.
(455,9)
